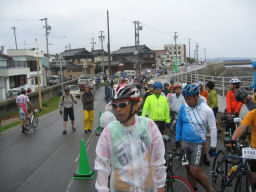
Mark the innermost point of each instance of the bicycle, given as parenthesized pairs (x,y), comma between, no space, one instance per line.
(174,117)
(224,172)
(175,183)
(31,122)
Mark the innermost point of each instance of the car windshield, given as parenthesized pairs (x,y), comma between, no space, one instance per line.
(74,88)
(83,80)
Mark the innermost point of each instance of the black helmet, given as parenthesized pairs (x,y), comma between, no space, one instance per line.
(210,85)
(240,94)
(66,88)
(22,91)
(166,84)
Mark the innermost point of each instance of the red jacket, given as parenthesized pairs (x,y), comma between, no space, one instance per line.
(232,104)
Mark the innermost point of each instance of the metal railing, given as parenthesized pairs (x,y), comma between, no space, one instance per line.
(221,83)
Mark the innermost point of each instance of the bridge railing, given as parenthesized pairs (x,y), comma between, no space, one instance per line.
(221,83)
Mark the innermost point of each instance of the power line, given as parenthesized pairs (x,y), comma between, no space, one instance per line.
(102,37)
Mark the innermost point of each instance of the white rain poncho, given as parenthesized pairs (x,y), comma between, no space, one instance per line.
(133,156)
(106,118)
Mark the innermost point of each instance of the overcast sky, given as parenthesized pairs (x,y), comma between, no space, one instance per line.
(226,28)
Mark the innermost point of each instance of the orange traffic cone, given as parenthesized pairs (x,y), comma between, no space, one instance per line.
(84,171)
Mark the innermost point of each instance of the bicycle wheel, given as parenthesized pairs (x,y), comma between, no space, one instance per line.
(176,183)
(243,184)
(219,171)
(35,122)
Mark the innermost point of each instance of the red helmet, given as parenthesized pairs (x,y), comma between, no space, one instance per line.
(172,87)
(177,86)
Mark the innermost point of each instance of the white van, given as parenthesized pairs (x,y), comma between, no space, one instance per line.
(54,79)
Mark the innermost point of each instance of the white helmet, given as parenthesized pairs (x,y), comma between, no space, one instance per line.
(106,118)
(151,82)
(234,80)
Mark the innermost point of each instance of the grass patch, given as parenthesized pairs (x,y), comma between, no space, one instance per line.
(48,106)
(2,128)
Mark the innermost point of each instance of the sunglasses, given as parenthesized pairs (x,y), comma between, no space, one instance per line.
(121,105)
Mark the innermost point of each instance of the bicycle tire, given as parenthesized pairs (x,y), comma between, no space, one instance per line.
(243,184)
(35,122)
(219,171)
(178,184)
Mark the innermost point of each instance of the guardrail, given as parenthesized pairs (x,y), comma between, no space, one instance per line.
(221,83)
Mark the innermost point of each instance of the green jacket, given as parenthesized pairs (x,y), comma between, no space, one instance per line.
(213,99)
(157,108)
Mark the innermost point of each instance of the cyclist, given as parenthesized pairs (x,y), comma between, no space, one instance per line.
(233,106)
(245,98)
(193,119)
(67,102)
(213,101)
(172,83)
(157,107)
(166,89)
(21,101)
(203,92)
(108,91)
(88,105)
(176,100)
(171,92)
(130,149)
(149,91)
(249,120)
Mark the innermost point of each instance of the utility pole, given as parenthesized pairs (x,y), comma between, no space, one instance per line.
(14,31)
(47,29)
(197,47)
(109,62)
(93,43)
(138,28)
(205,55)
(69,46)
(102,37)
(38,75)
(175,38)
(189,48)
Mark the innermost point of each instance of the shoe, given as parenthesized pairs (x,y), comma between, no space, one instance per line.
(89,130)
(220,130)
(206,161)
(24,131)
(85,131)
(64,132)
(226,133)
(74,129)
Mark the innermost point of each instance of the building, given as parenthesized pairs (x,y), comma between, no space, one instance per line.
(162,59)
(99,57)
(75,62)
(172,50)
(27,56)
(128,57)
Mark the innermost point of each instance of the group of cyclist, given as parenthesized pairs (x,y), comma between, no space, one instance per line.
(131,149)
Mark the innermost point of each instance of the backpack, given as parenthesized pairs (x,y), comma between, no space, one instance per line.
(70,96)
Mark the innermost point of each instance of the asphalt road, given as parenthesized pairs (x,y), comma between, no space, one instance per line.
(46,160)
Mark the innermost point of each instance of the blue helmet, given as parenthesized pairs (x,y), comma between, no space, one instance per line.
(157,85)
(171,81)
(190,90)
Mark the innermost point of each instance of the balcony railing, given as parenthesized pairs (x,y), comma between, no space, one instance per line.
(13,64)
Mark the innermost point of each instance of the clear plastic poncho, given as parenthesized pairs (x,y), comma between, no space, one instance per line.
(133,156)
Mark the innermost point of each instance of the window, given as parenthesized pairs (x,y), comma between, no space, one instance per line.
(170,53)
(175,53)
(32,81)
(179,52)
(178,47)
(151,56)
(17,81)
(32,65)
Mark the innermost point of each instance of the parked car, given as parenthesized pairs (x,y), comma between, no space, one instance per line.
(13,93)
(75,90)
(54,79)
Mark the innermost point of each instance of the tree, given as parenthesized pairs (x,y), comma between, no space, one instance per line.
(190,60)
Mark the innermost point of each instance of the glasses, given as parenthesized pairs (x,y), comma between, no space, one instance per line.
(121,105)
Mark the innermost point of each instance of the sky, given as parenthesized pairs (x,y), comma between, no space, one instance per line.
(224,28)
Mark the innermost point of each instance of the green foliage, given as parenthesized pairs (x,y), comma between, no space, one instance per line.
(190,60)
(97,68)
